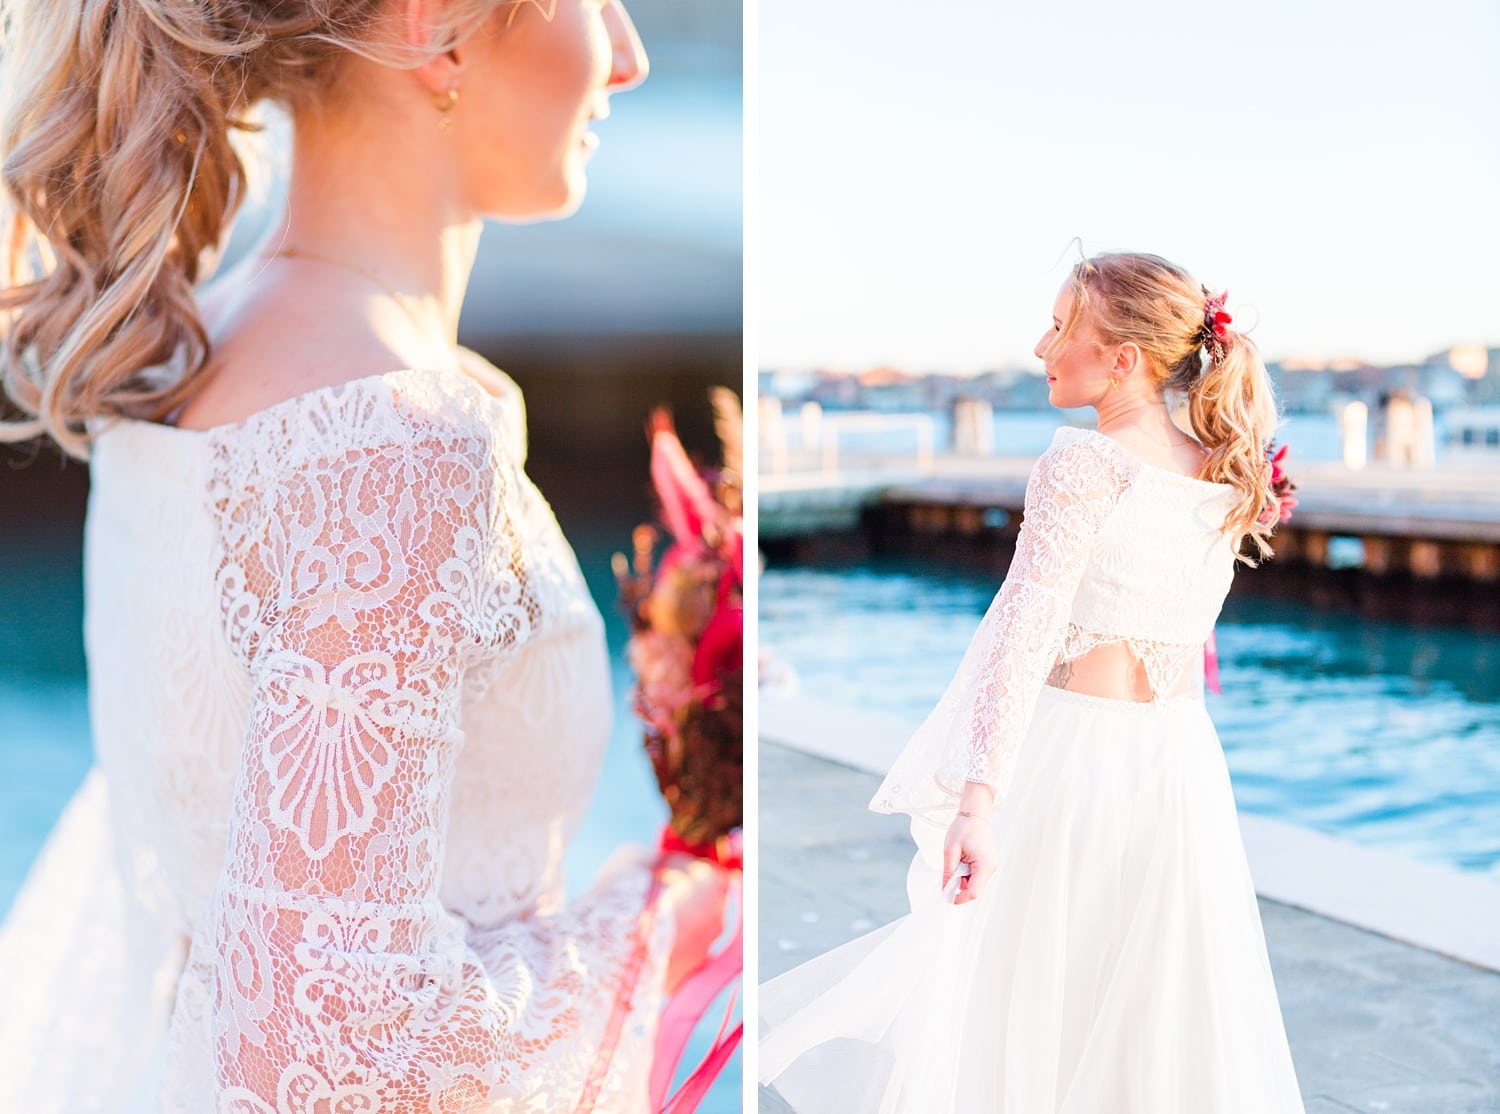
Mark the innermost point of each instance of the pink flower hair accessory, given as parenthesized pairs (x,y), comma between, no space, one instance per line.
(1216,319)
(1278,510)
(1281,485)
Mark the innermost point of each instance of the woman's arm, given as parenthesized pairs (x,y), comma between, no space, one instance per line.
(369,580)
(1071,492)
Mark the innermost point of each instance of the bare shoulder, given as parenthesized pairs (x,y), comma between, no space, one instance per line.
(1185,457)
(268,345)
(486,374)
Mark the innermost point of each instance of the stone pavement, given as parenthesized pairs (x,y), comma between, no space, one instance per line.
(1374,1025)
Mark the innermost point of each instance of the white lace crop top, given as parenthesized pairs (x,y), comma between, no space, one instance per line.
(351,697)
(1111,549)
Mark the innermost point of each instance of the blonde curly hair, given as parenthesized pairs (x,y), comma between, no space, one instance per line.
(124,134)
(1158,306)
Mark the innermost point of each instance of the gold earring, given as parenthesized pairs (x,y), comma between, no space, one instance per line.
(445,102)
(1113,382)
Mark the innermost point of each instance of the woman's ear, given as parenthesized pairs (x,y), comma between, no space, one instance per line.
(1128,357)
(417,17)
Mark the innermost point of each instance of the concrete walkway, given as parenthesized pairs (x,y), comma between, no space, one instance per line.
(1375,1025)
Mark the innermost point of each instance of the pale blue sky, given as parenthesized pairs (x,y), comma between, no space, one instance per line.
(922,167)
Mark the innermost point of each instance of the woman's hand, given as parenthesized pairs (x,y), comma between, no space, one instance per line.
(694,891)
(971,840)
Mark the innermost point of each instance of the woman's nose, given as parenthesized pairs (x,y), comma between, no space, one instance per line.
(629,66)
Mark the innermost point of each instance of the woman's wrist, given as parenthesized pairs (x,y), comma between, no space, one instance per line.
(977,800)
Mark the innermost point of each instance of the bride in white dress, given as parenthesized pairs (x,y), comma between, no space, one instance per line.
(349,693)
(1104,954)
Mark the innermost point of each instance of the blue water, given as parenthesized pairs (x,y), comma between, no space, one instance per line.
(44,742)
(1384,734)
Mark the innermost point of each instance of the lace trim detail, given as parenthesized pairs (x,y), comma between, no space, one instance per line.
(1164,662)
(371,563)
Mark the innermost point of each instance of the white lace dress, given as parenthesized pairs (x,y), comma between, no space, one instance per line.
(1116,963)
(350,697)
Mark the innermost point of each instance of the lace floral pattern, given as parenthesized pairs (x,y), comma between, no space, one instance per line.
(1110,550)
(370,566)
(1070,493)
(400,703)
(1163,662)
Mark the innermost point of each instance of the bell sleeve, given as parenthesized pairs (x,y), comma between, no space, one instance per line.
(325,973)
(975,731)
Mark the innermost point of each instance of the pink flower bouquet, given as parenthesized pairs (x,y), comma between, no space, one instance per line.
(685,602)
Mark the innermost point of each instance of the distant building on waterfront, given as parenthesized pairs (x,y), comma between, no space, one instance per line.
(1464,375)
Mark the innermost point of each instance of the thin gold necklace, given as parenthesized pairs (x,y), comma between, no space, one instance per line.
(299,253)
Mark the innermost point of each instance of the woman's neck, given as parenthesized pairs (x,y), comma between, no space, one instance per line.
(403,225)
(1147,418)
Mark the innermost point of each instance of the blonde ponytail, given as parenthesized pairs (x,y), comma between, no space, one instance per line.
(1233,412)
(119,175)
(1164,311)
(119,131)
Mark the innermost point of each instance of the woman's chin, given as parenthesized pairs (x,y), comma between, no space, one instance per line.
(1064,400)
(560,200)
(572,187)
(577,190)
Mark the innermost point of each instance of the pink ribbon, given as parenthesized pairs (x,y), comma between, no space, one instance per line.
(1211,665)
(630,975)
(690,1002)
(698,991)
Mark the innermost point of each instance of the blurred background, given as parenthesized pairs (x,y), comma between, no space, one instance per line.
(922,176)
(634,301)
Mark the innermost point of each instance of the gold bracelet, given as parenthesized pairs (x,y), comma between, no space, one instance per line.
(974,815)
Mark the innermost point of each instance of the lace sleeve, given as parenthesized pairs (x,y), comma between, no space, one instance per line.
(1068,497)
(974,732)
(326,974)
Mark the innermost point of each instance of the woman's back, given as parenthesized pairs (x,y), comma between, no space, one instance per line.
(1156,577)
(1120,571)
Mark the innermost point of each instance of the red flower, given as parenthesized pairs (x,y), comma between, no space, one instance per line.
(1215,316)
(721,646)
(733,550)
(1282,499)
(1277,472)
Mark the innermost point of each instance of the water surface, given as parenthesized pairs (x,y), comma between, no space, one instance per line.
(1382,733)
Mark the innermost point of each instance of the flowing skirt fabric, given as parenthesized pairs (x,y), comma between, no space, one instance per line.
(1116,963)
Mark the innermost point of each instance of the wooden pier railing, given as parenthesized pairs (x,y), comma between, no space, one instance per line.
(1427,523)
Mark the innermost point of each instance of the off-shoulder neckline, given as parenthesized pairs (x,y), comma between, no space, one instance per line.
(1146,464)
(292,402)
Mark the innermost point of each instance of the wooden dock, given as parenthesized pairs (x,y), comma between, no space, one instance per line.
(1430,524)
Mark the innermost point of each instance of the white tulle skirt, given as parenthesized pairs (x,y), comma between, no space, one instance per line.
(1115,964)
